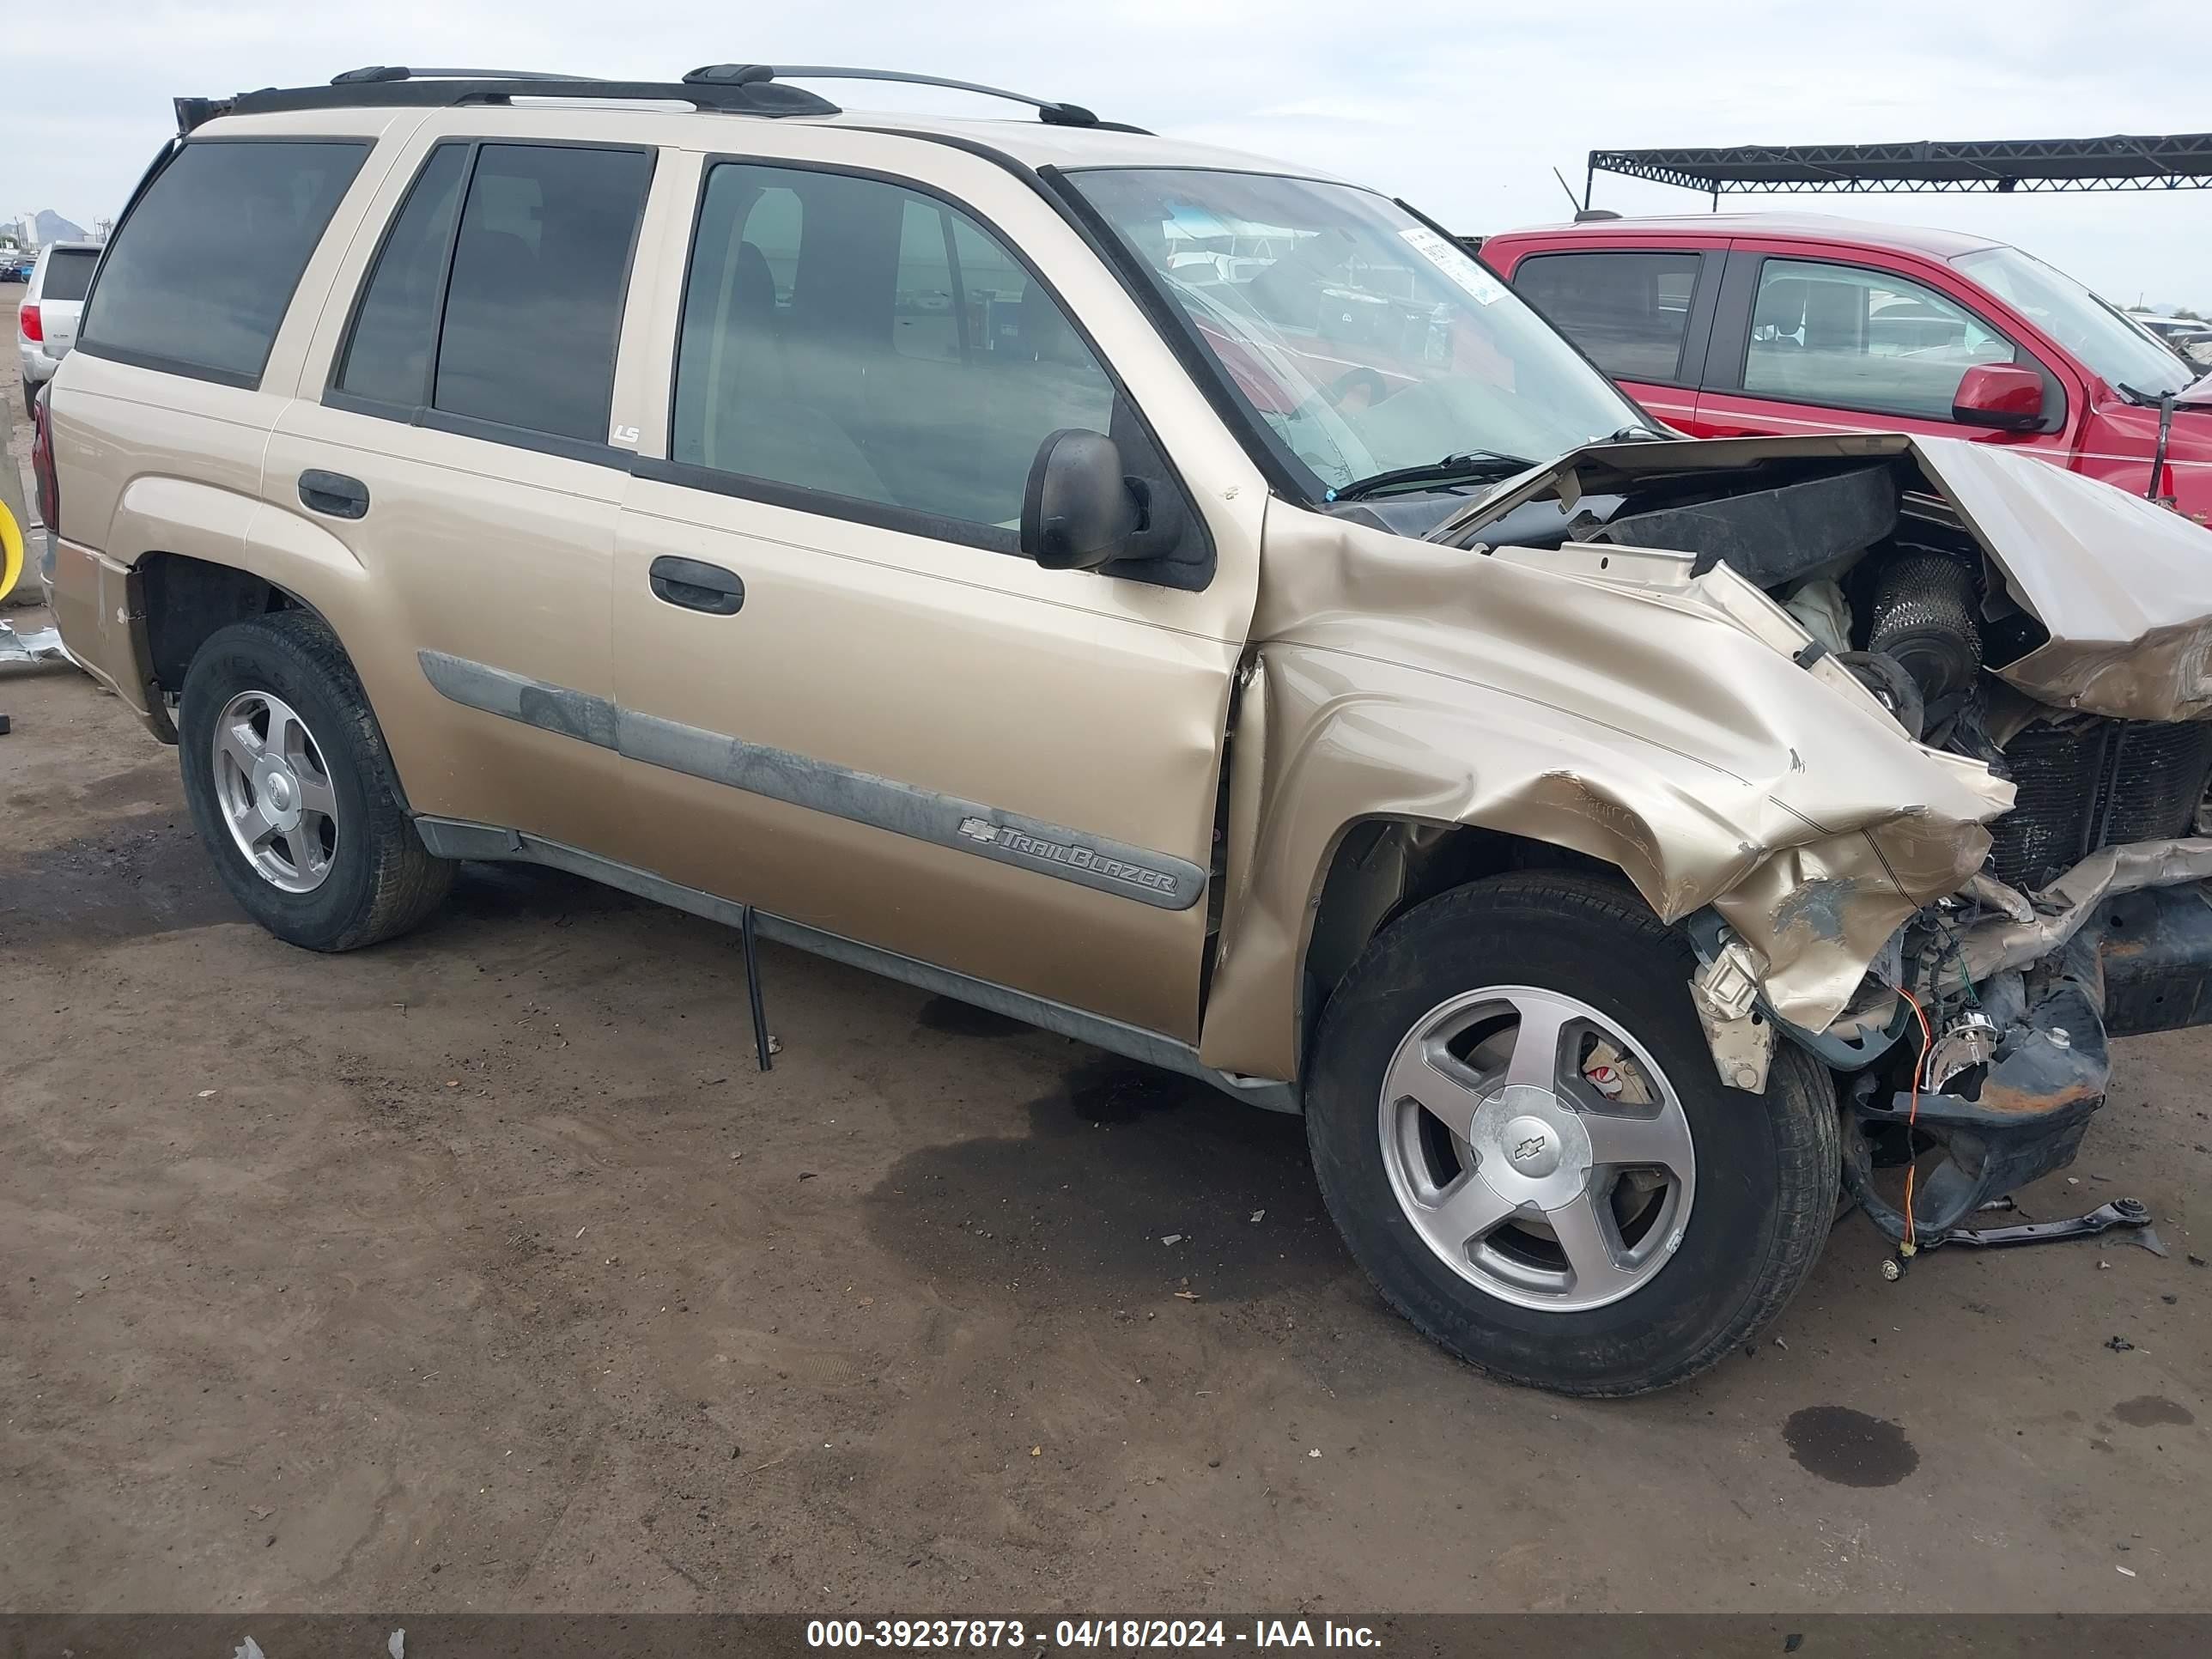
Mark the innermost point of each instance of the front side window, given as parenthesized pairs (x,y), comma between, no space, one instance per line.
(1630,310)
(203,270)
(1358,340)
(1853,338)
(857,338)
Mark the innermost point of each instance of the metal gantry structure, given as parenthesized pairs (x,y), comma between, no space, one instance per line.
(1998,167)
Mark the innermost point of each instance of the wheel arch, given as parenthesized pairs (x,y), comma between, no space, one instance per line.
(185,600)
(1381,865)
(1346,804)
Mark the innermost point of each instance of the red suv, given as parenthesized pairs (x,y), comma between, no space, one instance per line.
(1775,323)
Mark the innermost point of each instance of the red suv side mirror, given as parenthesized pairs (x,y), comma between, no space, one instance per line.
(2001,395)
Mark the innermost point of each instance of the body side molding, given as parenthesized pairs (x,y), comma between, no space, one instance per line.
(1094,861)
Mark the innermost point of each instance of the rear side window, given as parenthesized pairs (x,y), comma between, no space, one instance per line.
(69,273)
(534,306)
(1629,312)
(387,360)
(509,311)
(203,270)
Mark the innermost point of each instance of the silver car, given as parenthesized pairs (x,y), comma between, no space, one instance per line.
(46,325)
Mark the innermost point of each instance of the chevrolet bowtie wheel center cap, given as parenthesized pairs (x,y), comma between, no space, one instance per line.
(1529,1145)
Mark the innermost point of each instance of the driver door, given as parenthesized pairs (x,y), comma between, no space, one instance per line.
(845,695)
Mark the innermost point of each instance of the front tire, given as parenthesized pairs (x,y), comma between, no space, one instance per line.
(286,778)
(1516,1123)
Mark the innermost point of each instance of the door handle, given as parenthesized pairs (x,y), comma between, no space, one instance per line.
(333,494)
(697,587)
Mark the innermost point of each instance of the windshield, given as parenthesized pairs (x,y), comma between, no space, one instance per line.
(2115,350)
(1359,340)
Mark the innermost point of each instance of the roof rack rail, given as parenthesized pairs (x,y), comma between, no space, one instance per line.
(1052,112)
(378,73)
(380,86)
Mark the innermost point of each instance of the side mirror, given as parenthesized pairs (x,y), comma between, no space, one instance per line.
(1077,510)
(2004,396)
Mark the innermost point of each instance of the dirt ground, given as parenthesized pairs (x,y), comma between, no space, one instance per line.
(482,1271)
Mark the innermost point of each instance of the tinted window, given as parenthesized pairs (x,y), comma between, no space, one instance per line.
(1629,311)
(534,306)
(389,356)
(69,273)
(848,336)
(203,270)
(1862,339)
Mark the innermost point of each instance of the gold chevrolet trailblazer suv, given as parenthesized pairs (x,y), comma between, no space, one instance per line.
(1183,601)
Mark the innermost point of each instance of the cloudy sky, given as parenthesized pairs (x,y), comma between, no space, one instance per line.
(1463,106)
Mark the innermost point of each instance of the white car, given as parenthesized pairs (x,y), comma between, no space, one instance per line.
(46,324)
(2189,336)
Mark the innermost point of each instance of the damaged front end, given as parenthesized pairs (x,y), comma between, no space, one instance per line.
(2052,630)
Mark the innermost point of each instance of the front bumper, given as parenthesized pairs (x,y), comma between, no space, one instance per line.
(2130,962)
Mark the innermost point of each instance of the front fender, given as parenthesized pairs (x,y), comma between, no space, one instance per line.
(1599,699)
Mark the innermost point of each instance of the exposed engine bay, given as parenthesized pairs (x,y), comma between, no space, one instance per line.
(2063,643)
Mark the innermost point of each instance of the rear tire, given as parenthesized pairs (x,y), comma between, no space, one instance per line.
(289,784)
(1745,1185)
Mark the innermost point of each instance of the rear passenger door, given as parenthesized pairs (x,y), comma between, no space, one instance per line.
(449,462)
(845,695)
(1642,315)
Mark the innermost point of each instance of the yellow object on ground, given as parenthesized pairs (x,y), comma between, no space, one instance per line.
(11,551)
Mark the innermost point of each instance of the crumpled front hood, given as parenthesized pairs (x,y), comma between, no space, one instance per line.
(1604,699)
(2123,586)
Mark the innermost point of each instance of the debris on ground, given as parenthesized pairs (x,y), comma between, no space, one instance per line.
(1171,1238)
(2118,1344)
(1258,1215)
(39,645)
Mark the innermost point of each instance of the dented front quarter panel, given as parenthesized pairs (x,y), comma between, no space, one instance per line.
(1597,699)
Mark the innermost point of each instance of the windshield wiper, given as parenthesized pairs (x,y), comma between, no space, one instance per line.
(1639,435)
(1452,469)
(2145,399)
